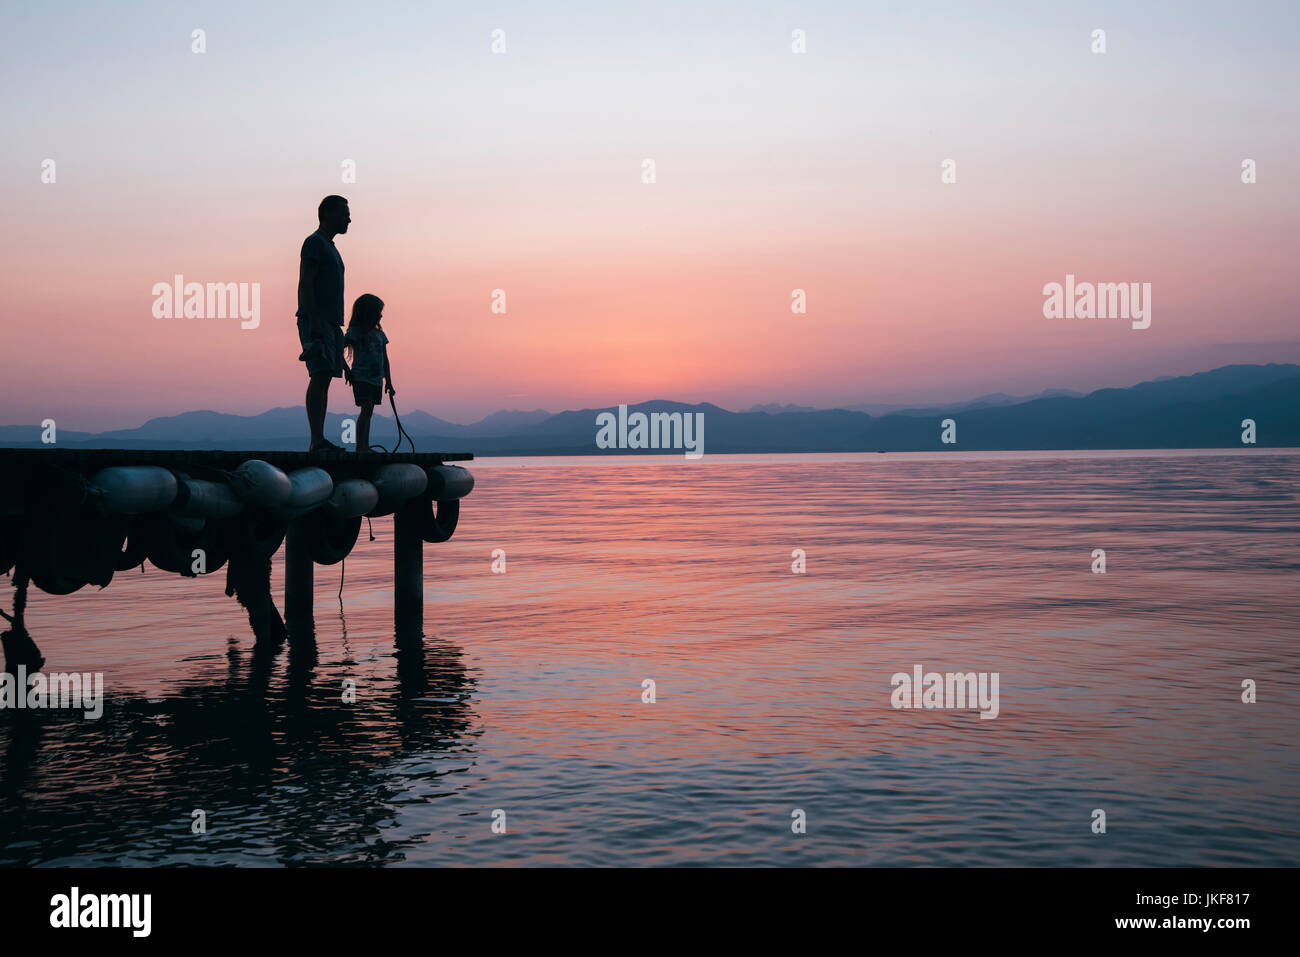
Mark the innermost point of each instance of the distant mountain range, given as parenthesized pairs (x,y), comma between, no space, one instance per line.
(1197,411)
(880,408)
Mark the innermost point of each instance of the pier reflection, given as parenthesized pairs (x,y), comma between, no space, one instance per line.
(289,762)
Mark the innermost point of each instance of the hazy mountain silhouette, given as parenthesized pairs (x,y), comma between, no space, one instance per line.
(979,402)
(1204,410)
(506,423)
(773,408)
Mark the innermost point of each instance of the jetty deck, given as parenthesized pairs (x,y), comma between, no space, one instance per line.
(218,458)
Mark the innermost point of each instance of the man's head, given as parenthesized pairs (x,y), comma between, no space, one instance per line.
(334,215)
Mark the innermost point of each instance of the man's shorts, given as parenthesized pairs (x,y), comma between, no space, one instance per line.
(326,353)
(366,393)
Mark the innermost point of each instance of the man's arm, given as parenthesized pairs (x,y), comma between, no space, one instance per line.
(307,293)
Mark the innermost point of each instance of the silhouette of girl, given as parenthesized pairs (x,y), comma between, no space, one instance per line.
(367,349)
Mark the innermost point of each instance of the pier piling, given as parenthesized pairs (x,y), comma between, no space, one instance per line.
(408,570)
(299,591)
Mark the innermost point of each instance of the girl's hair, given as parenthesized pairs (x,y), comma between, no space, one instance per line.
(365,316)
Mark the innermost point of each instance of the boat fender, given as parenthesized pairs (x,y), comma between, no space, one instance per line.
(131,489)
(53,584)
(257,534)
(396,483)
(353,497)
(309,488)
(260,483)
(83,551)
(200,498)
(447,482)
(172,545)
(331,535)
(440,525)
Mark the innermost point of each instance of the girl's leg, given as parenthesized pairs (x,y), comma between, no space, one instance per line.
(363,427)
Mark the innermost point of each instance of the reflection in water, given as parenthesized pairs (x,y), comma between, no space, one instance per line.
(284,768)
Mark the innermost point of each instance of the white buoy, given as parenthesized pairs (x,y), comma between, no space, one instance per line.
(308,488)
(131,489)
(353,497)
(260,483)
(203,499)
(447,482)
(396,483)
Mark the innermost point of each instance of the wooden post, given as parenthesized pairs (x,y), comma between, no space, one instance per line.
(299,593)
(408,571)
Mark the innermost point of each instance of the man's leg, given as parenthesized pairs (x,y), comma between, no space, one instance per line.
(318,392)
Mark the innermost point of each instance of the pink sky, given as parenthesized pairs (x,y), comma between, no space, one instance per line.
(522,173)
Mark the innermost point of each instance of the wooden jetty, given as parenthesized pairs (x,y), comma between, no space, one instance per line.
(75,517)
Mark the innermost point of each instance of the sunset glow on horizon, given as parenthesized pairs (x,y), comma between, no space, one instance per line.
(522,172)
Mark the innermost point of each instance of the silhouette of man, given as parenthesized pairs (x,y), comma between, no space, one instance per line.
(320,313)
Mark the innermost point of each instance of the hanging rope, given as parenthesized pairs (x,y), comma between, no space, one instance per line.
(401,432)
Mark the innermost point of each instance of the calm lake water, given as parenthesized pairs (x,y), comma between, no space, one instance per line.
(1119,691)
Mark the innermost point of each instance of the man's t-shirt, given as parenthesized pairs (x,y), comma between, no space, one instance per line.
(328,283)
